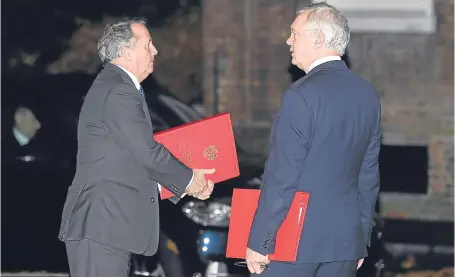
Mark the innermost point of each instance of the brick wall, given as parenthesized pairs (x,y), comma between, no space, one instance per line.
(412,72)
(414,76)
(249,39)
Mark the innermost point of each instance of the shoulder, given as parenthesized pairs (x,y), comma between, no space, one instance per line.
(306,88)
(123,92)
(114,76)
(367,88)
(113,83)
(293,98)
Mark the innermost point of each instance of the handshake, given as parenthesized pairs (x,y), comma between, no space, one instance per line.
(200,187)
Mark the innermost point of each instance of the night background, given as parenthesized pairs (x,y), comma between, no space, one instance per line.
(220,56)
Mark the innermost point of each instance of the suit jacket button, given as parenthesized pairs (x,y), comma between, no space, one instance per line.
(152,199)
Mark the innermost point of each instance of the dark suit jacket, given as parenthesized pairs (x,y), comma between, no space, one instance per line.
(325,141)
(114,197)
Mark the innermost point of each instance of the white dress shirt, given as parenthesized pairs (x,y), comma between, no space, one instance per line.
(138,86)
(323,60)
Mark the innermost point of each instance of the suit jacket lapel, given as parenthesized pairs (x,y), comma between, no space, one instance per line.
(146,111)
(126,79)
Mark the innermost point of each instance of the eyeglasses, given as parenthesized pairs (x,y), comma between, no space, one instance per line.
(294,33)
(244,264)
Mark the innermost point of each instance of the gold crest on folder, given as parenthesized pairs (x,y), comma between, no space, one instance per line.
(210,152)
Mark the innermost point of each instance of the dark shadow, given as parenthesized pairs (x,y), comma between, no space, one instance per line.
(39,31)
(404,169)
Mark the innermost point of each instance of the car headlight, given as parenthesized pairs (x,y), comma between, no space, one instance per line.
(213,214)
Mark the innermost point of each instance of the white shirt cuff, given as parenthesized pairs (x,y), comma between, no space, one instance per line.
(192,177)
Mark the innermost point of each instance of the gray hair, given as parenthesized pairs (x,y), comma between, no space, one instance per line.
(329,21)
(115,37)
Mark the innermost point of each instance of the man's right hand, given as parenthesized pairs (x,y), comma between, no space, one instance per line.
(199,187)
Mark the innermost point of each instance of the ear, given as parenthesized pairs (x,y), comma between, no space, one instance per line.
(125,53)
(319,40)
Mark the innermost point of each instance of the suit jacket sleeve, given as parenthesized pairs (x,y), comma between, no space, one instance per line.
(368,186)
(288,149)
(125,120)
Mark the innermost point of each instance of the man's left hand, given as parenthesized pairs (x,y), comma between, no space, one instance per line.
(255,261)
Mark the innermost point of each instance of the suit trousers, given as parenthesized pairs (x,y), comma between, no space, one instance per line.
(88,258)
(329,269)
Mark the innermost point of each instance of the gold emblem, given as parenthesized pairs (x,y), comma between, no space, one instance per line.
(210,152)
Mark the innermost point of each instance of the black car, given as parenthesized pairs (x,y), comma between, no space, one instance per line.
(37,172)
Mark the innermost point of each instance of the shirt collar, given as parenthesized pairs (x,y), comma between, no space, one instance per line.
(323,60)
(20,137)
(133,78)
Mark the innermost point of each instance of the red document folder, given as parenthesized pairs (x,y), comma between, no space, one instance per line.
(206,143)
(244,205)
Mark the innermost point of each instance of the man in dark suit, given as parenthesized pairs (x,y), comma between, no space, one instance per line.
(325,141)
(111,208)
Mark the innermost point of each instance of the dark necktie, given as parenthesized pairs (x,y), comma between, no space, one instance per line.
(141,90)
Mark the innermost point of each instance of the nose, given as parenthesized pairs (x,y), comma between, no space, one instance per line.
(37,125)
(154,51)
(289,41)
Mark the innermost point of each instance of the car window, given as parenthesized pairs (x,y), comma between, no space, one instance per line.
(186,113)
(30,137)
(25,125)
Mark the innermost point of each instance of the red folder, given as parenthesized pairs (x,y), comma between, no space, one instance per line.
(244,205)
(206,143)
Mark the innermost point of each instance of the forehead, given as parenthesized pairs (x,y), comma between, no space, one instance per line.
(140,31)
(300,21)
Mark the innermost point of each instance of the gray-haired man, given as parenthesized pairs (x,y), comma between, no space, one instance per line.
(111,208)
(325,141)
